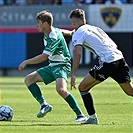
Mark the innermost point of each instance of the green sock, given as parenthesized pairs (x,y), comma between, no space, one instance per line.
(36,92)
(73,104)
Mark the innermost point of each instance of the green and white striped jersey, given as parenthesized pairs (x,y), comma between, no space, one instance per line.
(56,48)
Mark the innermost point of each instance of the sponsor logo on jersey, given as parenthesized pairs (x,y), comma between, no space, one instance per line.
(110,15)
(101,76)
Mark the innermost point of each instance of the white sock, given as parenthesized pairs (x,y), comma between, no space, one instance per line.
(45,103)
(93,116)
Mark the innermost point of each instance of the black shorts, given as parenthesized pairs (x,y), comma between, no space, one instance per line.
(118,70)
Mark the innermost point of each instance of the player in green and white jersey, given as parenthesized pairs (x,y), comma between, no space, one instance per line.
(59,67)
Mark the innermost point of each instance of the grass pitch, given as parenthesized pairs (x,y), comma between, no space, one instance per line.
(114,109)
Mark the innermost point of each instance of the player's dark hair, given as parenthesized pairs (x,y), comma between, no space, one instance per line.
(45,16)
(77,13)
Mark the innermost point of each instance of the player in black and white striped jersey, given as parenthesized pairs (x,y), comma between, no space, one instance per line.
(111,61)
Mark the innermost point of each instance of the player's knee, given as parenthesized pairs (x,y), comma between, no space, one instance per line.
(62,92)
(83,87)
(29,80)
(80,87)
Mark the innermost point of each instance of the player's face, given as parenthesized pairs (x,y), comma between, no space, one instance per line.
(40,25)
(77,22)
(74,24)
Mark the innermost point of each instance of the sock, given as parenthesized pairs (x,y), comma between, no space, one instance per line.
(93,116)
(73,104)
(35,91)
(88,102)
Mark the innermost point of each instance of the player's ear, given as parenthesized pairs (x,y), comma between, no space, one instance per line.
(74,22)
(45,23)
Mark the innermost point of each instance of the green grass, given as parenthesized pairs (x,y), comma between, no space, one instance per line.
(114,109)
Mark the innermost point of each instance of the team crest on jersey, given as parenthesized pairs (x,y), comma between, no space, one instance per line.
(110,15)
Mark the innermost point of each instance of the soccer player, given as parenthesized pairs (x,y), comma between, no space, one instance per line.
(59,67)
(111,61)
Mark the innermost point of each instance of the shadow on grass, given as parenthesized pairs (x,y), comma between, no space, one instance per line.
(41,125)
(34,123)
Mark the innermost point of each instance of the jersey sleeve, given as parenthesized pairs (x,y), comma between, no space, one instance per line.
(78,38)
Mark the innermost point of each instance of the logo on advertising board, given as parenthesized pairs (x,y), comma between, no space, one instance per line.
(110,15)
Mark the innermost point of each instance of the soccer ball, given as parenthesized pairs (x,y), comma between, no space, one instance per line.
(6,113)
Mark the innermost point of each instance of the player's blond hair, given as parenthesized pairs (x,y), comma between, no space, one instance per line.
(45,16)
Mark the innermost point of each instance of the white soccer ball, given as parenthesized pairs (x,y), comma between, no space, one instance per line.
(6,113)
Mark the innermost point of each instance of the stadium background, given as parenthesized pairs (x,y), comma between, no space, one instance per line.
(20,40)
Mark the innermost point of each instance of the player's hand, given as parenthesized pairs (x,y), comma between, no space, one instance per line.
(72,82)
(22,66)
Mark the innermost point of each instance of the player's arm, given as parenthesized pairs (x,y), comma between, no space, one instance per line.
(35,60)
(67,32)
(76,61)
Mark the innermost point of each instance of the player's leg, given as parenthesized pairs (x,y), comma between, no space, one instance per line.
(41,75)
(30,81)
(123,78)
(127,88)
(33,78)
(61,73)
(47,77)
(97,74)
(86,84)
(61,87)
